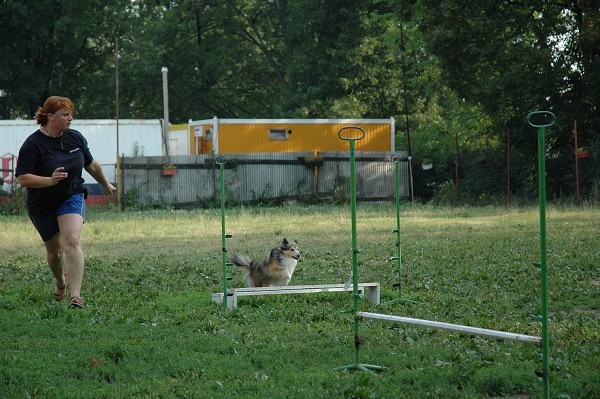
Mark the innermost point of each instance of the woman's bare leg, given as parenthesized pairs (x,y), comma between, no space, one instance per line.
(55,259)
(70,232)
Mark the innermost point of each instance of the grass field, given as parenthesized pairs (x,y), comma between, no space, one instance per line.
(150,330)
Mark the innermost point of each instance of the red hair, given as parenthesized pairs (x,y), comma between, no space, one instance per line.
(52,105)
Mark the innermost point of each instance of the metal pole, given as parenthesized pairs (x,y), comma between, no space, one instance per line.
(409,143)
(355,252)
(410,171)
(118,166)
(508,168)
(456,167)
(165,71)
(221,160)
(548,119)
(543,255)
(576,161)
(397,159)
(398,247)
(398,257)
(484,332)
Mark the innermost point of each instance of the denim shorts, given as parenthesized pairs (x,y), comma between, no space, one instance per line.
(47,226)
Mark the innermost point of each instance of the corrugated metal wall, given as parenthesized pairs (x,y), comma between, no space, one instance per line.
(255,177)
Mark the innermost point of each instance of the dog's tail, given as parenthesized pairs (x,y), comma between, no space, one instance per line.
(241,260)
(247,263)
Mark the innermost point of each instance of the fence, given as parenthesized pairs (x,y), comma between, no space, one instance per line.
(251,178)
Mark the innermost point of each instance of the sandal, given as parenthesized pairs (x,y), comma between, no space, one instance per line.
(59,296)
(76,303)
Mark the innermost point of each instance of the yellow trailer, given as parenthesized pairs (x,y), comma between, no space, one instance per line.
(235,136)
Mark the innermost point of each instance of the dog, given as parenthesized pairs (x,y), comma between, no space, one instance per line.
(275,270)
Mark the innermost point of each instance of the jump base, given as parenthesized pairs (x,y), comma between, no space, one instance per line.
(372,290)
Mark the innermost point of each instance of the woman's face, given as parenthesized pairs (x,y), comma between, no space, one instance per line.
(60,120)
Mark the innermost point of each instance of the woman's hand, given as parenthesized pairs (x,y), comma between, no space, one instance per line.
(110,189)
(58,175)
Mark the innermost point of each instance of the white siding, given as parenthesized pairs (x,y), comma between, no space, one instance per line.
(137,137)
(179,142)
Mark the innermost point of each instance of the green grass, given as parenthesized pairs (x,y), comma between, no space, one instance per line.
(150,330)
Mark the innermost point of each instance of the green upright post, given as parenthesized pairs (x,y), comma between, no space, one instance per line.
(221,160)
(355,251)
(547,119)
(398,256)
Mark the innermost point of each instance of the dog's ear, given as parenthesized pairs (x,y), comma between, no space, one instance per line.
(285,242)
(296,241)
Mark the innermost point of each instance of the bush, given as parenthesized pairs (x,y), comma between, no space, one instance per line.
(13,203)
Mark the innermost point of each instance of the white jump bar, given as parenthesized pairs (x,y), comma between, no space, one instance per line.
(452,327)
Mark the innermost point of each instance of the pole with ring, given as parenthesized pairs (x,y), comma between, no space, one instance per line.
(355,251)
(541,120)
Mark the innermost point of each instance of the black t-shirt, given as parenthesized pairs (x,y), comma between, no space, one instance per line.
(41,155)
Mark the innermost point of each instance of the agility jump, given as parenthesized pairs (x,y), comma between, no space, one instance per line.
(229,297)
(357,365)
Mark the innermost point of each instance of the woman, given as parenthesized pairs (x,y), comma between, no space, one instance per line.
(49,166)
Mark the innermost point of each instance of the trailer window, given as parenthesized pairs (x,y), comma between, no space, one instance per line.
(277,134)
(208,135)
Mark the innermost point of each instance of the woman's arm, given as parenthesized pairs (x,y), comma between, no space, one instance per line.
(29,180)
(95,170)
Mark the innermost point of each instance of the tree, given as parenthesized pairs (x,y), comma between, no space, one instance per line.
(513,58)
(467,71)
(44,56)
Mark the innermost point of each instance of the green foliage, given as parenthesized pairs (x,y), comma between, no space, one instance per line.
(13,203)
(150,329)
(441,69)
(513,58)
(130,199)
(500,381)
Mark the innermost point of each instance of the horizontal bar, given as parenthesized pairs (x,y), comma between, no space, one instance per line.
(298,289)
(372,290)
(452,327)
